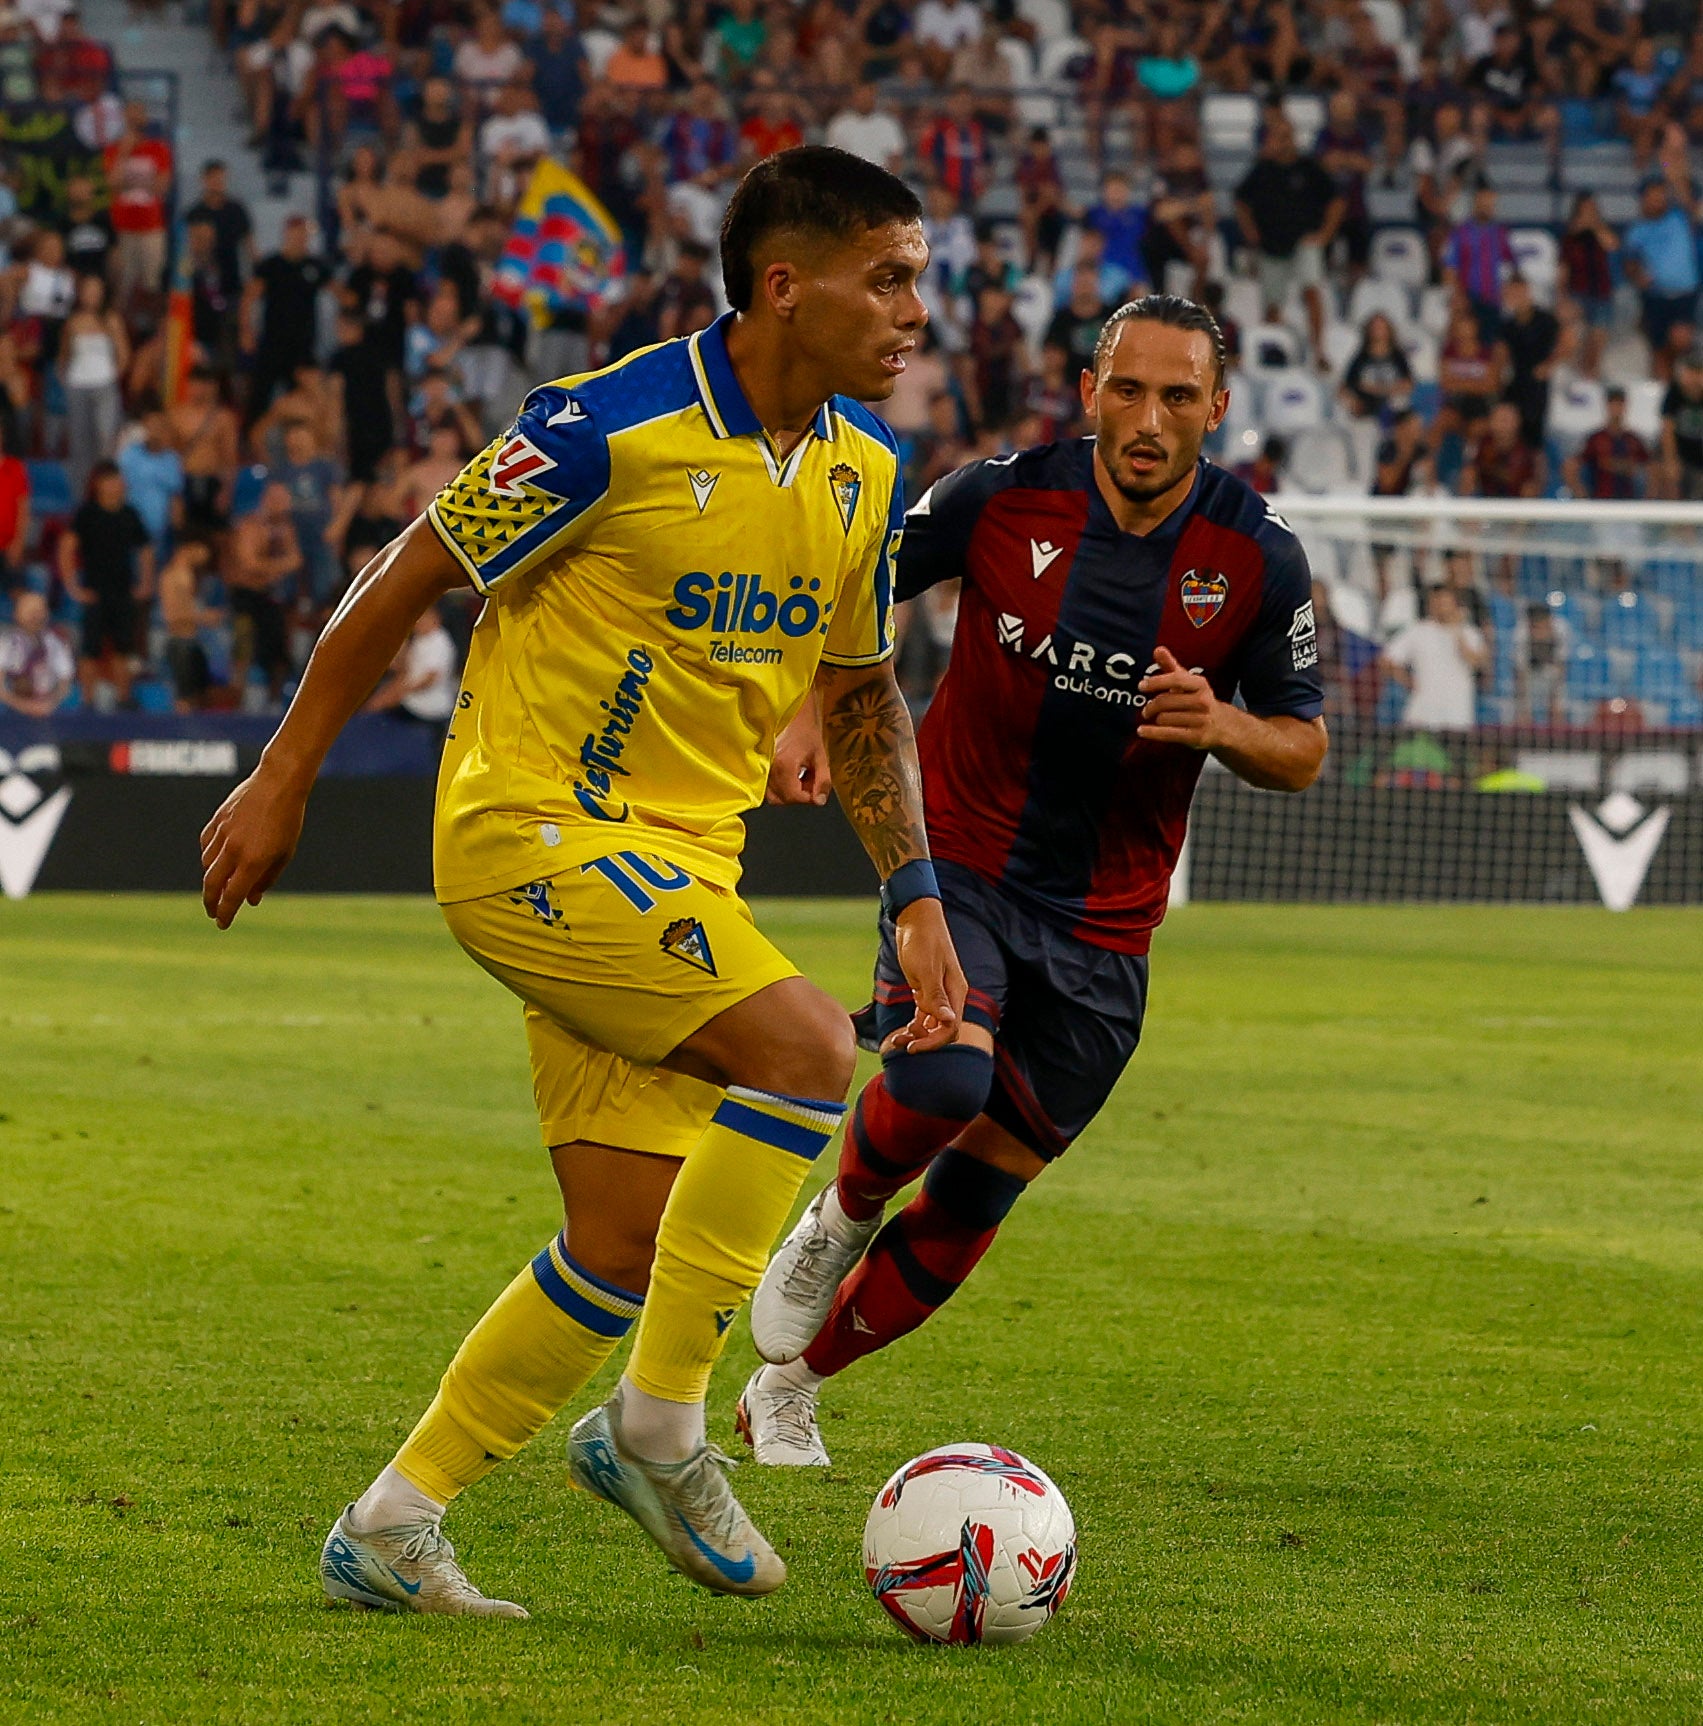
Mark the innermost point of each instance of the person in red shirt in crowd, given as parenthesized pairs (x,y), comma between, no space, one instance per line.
(14,518)
(1614,462)
(955,146)
(139,172)
(1500,462)
(73,67)
(770,126)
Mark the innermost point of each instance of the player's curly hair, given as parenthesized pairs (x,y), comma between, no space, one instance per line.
(815,191)
(1172,309)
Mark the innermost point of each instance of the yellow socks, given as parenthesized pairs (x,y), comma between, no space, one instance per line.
(730,1200)
(548,1332)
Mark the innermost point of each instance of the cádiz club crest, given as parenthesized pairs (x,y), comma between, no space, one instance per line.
(846,482)
(1203,592)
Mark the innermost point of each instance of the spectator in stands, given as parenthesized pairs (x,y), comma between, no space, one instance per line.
(423,680)
(94,349)
(1471,375)
(106,564)
(36,667)
(771,121)
(184,617)
(72,67)
(1682,429)
(1613,461)
(1529,337)
(1638,86)
(14,516)
(1660,252)
(955,148)
(1478,256)
(313,481)
(1378,381)
(1345,153)
(940,28)
(153,481)
(438,137)
(265,560)
(1510,89)
(1075,326)
(1443,165)
(87,229)
(1435,659)
(1587,274)
(204,434)
(1288,211)
(1122,224)
(280,312)
(1500,462)
(213,313)
(637,64)
(1542,642)
(139,173)
(233,231)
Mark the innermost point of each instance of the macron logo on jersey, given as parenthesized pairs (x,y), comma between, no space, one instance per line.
(519,461)
(1042,555)
(566,416)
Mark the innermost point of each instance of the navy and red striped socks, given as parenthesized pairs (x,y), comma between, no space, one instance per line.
(917,1262)
(909,1112)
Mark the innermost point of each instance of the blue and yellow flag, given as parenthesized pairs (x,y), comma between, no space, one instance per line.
(565,251)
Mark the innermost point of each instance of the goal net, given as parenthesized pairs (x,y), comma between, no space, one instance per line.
(1515,696)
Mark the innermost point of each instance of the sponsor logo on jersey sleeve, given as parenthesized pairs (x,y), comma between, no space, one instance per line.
(1304,637)
(518,462)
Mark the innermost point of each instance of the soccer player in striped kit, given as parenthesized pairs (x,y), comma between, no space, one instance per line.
(1118,594)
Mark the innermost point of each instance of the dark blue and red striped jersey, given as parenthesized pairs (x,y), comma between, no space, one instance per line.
(1033,776)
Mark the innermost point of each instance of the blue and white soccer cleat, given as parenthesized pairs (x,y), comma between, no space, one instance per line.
(687,1507)
(779,1423)
(798,1288)
(403,1570)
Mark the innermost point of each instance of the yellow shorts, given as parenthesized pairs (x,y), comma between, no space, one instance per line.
(618,962)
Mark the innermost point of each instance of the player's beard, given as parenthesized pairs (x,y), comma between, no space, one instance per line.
(1148,486)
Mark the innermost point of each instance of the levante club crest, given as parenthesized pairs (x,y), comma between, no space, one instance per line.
(846,482)
(1203,592)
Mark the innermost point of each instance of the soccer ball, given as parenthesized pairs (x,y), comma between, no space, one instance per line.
(970,1543)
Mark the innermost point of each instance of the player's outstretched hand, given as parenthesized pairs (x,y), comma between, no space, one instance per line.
(1181,707)
(799,772)
(931,967)
(246,845)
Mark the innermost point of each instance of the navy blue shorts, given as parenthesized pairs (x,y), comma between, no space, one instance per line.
(1066,1015)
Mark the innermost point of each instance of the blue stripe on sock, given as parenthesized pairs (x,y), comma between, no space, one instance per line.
(596,1319)
(784,1135)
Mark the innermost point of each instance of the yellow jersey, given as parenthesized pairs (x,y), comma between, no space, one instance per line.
(660,589)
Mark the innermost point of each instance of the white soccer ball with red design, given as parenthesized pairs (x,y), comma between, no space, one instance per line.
(970,1543)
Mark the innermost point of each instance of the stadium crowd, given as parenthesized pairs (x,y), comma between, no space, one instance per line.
(1454,245)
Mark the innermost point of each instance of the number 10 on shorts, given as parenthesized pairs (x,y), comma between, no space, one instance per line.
(637,879)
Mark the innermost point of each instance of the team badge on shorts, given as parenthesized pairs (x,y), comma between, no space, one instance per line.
(1203,592)
(685,939)
(846,483)
(539,898)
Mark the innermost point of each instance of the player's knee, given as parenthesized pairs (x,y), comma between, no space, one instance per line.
(813,1049)
(952,1084)
(971,1192)
(616,1255)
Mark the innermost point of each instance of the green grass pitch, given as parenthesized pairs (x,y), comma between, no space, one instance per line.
(1364,1332)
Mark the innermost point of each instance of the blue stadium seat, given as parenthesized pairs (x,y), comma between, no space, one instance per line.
(245,493)
(50,489)
(1588,676)
(152,696)
(1661,674)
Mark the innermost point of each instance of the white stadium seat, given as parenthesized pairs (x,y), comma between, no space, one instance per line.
(1644,407)
(1371,295)
(1306,114)
(1342,343)
(1292,402)
(1270,350)
(1399,255)
(1229,122)
(1576,408)
(1387,19)
(1538,255)
(1320,461)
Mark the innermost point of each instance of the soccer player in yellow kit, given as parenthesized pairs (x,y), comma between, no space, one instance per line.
(674,552)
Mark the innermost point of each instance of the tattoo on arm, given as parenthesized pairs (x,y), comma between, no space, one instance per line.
(873,756)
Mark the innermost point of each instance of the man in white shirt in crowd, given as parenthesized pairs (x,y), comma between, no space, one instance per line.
(36,666)
(425,676)
(941,27)
(1435,659)
(868,130)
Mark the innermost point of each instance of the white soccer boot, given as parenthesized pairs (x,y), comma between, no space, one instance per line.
(779,1424)
(687,1507)
(797,1289)
(403,1570)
